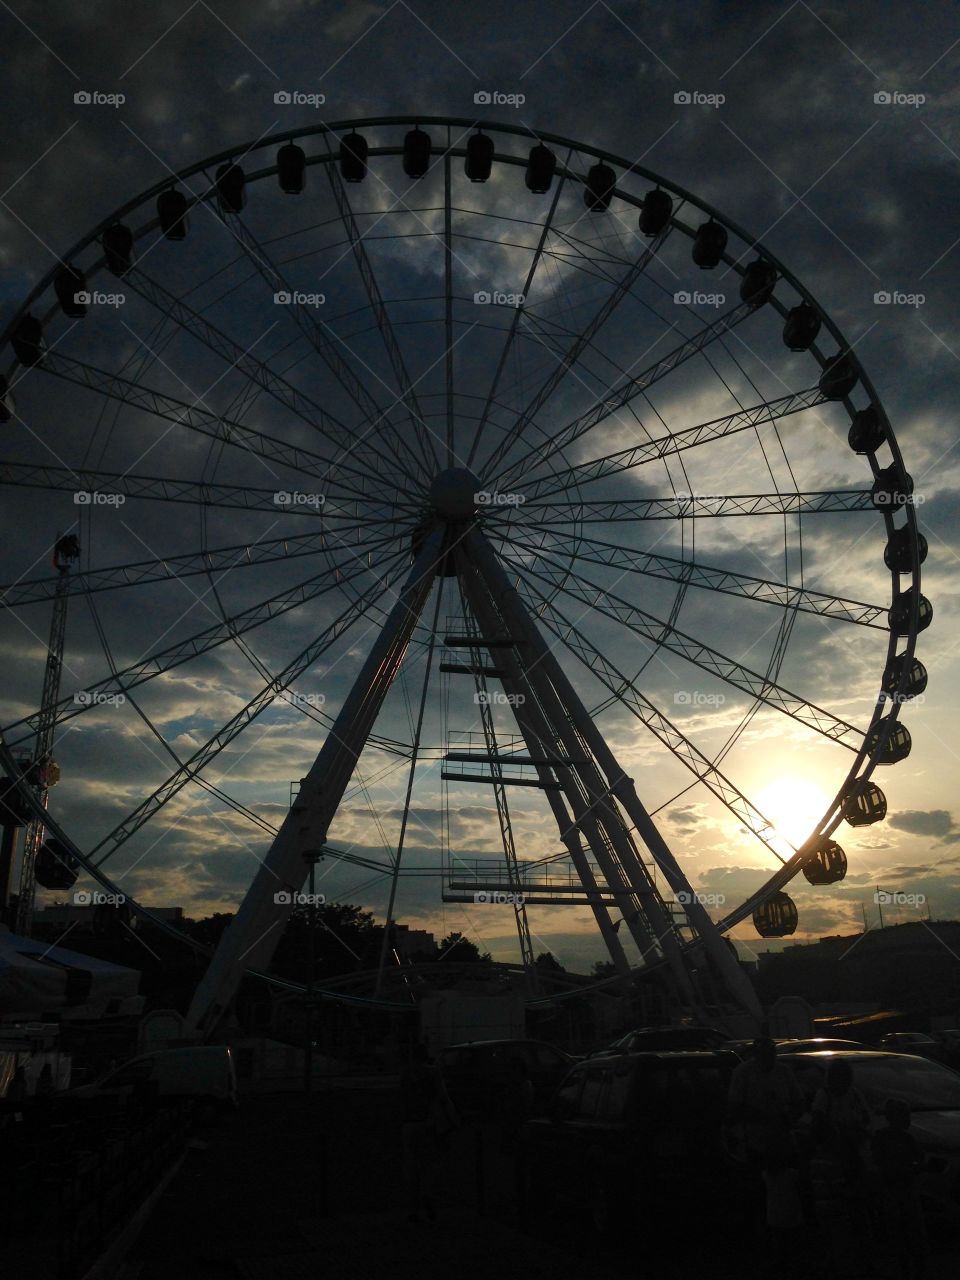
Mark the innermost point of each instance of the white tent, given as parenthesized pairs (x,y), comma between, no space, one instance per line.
(36,978)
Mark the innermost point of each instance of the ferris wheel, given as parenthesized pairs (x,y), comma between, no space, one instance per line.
(429,455)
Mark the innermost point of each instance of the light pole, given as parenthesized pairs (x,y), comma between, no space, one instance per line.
(312,857)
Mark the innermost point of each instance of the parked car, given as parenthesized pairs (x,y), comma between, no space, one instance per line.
(817,1043)
(623,1130)
(666,1039)
(949,1042)
(477,1072)
(911,1042)
(932,1092)
(204,1073)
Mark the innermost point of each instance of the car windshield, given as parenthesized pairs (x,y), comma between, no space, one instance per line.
(924,1086)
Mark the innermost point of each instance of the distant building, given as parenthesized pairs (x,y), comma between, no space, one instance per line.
(410,943)
(914,966)
(80,913)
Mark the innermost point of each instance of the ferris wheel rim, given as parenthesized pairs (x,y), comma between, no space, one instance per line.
(883,710)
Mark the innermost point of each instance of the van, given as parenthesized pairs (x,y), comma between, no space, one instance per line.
(204,1073)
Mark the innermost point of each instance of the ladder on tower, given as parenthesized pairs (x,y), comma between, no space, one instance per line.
(65,555)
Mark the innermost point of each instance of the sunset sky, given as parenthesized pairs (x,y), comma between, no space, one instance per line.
(789,134)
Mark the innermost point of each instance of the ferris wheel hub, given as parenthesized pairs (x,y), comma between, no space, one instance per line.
(453,493)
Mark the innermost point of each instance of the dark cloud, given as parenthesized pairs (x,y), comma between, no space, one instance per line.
(932,822)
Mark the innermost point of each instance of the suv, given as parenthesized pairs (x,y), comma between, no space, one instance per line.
(931,1091)
(656,1039)
(476,1073)
(627,1128)
(203,1073)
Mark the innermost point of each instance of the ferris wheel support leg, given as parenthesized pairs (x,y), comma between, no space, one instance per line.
(598,820)
(621,787)
(252,936)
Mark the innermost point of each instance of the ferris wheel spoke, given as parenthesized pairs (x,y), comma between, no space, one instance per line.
(174,655)
(221,560)
(375,419)
(570,358)
(541,514)
(630,697)
(196,418)
(676,442)
(262,376)
(166,489)
(604,601)
(408,395)
(785,595)
(622,395)
(212,748)
(507,348)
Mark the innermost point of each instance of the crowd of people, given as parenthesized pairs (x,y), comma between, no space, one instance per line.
(858,1187)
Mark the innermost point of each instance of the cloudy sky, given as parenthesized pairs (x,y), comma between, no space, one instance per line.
(827,132)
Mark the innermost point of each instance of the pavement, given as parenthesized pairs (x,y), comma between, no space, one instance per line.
(310,1186)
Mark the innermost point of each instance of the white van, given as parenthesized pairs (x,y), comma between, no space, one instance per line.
(203,1072)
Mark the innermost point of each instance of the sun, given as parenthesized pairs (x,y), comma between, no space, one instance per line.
(794,805)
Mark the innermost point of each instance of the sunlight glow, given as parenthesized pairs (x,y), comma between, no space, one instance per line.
(794,806)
